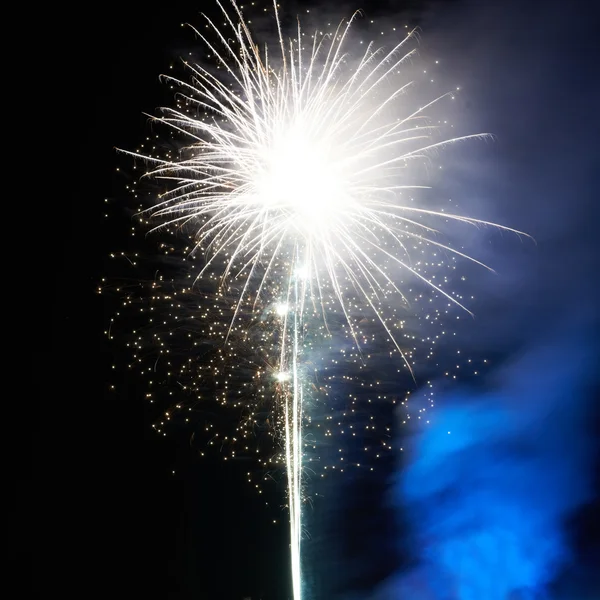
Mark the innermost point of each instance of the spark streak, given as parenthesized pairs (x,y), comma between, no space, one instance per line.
(294,442)
(297,176)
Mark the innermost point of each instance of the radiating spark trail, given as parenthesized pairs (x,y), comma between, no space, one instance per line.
(296,176)
(292,400)
(294,454)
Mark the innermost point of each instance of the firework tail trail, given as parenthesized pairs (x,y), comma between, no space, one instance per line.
(294,469)
(292,396)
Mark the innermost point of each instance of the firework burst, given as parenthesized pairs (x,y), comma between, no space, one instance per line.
(296,183)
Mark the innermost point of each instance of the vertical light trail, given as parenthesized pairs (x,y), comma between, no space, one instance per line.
(292,397)
(296,474)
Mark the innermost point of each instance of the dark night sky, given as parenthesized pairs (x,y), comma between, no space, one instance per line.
(102,514)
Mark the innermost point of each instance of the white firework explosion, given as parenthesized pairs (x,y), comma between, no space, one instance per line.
(298,175)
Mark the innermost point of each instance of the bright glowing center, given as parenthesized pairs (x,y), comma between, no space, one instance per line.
(281,308)
(300,177)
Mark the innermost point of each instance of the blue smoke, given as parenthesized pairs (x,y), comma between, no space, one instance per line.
(490,482)
(488,489)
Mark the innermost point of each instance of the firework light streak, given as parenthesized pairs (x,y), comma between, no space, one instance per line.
(296,176)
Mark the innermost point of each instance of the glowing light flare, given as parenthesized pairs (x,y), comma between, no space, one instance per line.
(301,178)
(302,272)
(282,308)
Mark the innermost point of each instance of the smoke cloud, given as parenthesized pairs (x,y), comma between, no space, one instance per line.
(490,488)
(493,479)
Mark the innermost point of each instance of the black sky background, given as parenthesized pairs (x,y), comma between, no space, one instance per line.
(103,514)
